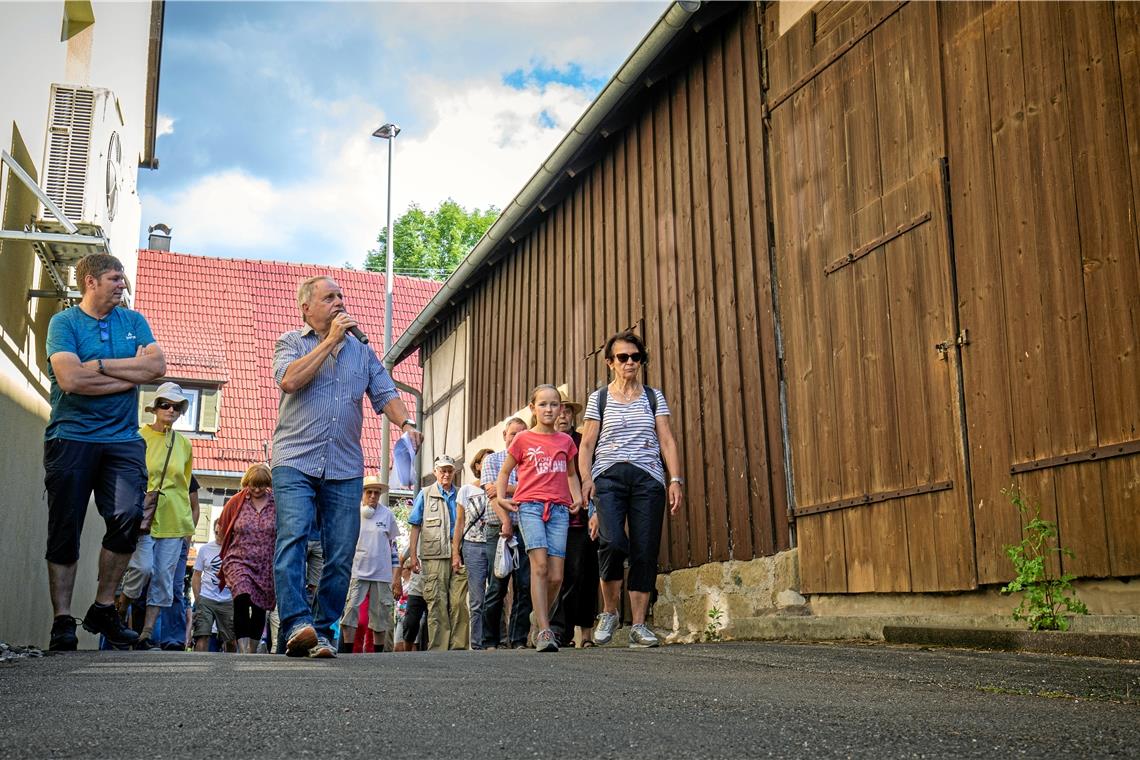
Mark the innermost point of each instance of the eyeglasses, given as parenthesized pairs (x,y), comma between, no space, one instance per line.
(165,405)
(636,358)
(104,331)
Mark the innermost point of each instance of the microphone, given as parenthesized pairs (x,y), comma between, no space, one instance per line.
(356,332)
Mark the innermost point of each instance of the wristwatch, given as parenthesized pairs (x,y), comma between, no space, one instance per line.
(407,422)
(101,370)
(677,480)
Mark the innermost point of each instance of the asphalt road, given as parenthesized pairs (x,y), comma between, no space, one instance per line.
(705,701)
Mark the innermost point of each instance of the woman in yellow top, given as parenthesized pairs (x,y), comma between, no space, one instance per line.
(157,554)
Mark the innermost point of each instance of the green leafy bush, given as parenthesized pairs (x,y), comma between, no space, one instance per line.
(1046,602)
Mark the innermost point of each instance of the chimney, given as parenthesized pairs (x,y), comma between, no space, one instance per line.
(159,237)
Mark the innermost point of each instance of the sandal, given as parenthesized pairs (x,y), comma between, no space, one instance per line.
(588,643)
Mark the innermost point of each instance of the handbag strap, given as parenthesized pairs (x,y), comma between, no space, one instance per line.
(169,450)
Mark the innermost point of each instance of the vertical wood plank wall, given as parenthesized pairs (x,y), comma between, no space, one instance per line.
(667,234)
(1036,109)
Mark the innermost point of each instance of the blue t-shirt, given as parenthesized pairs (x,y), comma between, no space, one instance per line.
(99,419)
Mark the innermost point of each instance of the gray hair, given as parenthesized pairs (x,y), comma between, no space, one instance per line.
(305,289)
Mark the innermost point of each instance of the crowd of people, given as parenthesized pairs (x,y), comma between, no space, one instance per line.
(305,558)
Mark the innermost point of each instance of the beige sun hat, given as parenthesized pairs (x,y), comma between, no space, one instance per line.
(170,392)
(373,482)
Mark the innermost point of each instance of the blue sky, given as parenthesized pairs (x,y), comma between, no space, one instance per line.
(266,111)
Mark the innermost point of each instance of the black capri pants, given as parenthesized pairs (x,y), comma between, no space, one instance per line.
(625,492)
(115,472)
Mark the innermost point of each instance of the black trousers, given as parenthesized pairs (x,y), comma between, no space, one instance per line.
(625,492)
(249,619)
(577,603)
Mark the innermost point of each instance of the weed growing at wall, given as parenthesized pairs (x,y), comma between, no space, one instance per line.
(1046,602)
(712,630)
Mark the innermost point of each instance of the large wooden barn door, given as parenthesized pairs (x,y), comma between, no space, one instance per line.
(871,338)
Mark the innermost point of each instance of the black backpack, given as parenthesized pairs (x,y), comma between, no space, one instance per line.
(604,395)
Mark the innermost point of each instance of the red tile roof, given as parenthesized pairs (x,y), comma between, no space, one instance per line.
(217,321)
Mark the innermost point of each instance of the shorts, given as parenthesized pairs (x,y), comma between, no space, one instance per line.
(155,561)
(380,604)
(549,535)
(209,613)
(115,472)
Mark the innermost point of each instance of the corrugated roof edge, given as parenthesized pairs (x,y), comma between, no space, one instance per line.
(672,22)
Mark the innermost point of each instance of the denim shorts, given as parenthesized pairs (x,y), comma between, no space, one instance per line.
(550,535)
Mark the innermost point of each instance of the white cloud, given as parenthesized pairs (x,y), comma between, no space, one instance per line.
(165,125)
(486,141)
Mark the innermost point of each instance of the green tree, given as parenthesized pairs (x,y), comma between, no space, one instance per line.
(431,243)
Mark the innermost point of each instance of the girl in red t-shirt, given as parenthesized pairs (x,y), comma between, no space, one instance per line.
(548,491)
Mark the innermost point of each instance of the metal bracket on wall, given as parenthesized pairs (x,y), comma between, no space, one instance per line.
(944,347)
(873,498)
(1123,449)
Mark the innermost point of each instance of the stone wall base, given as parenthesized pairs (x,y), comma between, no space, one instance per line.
(760,599)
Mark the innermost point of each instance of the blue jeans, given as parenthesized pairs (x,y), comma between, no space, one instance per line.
(475,559)
(549,535)
(171,628)
(335,504)
(519,626)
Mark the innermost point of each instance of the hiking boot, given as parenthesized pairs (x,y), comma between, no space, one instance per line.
(301,641)
(323,649)
(144,644)
(607,623)
(545,641)
(642,637)
(63,638)
(104,620)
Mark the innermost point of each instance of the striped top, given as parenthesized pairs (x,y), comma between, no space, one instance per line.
(319,426)
(628,434)
(492,465)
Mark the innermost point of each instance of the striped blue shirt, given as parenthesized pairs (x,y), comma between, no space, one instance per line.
(628,433)
(319,426)
(492,465)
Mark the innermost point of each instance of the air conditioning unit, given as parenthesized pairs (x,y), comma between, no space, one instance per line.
(83,170)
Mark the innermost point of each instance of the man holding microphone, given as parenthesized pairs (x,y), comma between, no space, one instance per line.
(318,462)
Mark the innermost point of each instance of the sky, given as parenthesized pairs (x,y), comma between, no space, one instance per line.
(266,111)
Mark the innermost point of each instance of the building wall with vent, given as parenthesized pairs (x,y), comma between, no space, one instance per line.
(87,45)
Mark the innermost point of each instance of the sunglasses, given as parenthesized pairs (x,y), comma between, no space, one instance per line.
(165,405)
(104,331)
(635,358)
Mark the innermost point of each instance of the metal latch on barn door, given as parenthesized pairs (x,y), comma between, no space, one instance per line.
(963,339)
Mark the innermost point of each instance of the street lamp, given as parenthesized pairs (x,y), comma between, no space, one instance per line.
(387,132)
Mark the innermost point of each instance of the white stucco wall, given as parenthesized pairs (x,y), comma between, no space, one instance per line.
(112,53)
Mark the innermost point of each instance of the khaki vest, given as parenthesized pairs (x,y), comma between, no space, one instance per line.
(435,531)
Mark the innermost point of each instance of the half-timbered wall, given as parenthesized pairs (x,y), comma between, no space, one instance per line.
(667,234)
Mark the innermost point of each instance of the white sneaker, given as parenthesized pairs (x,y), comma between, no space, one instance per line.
(604,632)
(642,637)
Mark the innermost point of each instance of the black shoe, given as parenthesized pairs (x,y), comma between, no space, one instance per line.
(102,619)
(173,646)
(63,638)
(344,647)
(144,644)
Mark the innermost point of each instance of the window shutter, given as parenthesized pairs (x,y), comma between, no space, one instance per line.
(208,416)
(146,397)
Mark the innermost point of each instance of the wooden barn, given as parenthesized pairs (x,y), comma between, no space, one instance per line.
(885,257)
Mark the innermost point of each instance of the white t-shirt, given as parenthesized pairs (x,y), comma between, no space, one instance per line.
(477,510)
(374,548)
(208,563)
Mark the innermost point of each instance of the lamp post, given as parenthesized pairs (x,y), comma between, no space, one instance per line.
(387,132)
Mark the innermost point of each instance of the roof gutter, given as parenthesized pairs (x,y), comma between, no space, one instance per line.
(671,23)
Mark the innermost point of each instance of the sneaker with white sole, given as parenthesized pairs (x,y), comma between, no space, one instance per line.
(608,622)
(642,637)
(323,650)
(545,641)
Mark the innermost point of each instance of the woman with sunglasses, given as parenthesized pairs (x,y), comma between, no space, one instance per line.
(625,436)
(169,462)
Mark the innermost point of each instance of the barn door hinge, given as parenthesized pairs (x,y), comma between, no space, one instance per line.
(963,339)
